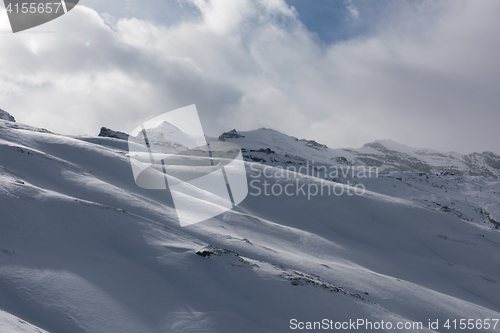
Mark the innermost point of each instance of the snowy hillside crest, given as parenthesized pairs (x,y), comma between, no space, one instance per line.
(4,115)
(386,155)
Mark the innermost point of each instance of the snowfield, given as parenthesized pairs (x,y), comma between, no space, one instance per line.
(84,249)
(12,324)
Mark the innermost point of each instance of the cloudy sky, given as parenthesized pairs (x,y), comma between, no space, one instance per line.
(342,72)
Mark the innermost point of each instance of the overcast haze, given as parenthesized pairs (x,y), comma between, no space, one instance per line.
(423,73)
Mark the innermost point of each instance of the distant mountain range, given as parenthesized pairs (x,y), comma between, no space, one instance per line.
(272,147)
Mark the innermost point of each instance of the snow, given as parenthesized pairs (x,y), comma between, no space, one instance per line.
(84,249)
(12,324)
(387,155)
(4,115)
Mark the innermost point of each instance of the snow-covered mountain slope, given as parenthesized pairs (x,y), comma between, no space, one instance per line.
(83,249)
(4,115)
(12,324)
(443,181)
(387,155)
(167,138)
(470,198)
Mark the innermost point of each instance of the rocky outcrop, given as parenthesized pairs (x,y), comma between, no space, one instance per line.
(384,156)
(109,133)
(4,115)
(315,145)
(230,135)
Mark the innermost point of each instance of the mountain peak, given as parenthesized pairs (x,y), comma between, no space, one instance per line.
(390,145)
(232,134)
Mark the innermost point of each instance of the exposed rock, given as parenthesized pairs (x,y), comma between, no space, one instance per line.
(313,144)
(263,150)
(410,159)
(4,115)
(230,135)
(109,133)
(342,160)
(274,148)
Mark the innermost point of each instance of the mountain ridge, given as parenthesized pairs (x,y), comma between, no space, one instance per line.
(387,155)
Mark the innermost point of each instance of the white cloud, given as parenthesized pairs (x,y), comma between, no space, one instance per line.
(427,77)
(351,8)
